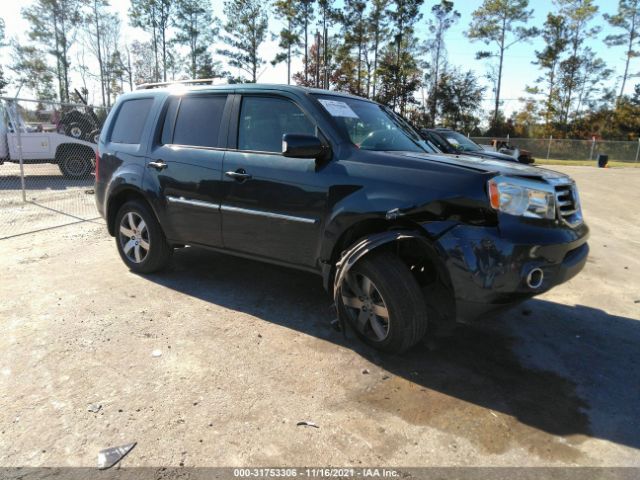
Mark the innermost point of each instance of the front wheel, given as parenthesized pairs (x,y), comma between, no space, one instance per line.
(140,240)
(383,303)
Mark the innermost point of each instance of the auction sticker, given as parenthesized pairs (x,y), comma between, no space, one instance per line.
(337,108)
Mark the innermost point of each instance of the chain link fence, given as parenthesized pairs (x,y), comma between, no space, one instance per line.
(47,161)
(564,149)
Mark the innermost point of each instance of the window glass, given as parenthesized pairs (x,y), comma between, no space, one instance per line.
(169,121)
(371,126)
(264,120)
(460,142)
(130,121)
(199,119)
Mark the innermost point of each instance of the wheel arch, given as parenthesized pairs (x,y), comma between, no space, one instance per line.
(420,252)
(119,198)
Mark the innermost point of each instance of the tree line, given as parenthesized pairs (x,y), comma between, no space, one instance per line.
(393,51)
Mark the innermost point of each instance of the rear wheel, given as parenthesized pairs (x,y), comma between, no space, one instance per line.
(75,165)
(139,238)
(382,301)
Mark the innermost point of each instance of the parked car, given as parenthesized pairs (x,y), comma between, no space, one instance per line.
(406,240)
(452,142)
(74,157)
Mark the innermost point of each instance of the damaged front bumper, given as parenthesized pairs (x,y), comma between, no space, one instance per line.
(492,268)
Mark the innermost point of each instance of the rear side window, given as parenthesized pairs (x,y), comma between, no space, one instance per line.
(263,121)
(130,121)
(198,121)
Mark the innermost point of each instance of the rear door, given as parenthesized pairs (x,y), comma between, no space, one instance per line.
(273,205)
(185,166)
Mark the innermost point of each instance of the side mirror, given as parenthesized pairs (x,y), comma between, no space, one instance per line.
(302,146)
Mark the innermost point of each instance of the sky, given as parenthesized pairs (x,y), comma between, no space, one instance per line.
(518,73)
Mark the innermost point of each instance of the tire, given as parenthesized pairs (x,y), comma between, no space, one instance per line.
(128,231)
(394,289)
(74,130)
(75,165)
(93,136)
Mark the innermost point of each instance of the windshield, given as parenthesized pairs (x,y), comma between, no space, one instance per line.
(460,142)
(370,126)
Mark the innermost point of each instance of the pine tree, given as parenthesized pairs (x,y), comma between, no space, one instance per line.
(354,30)
(627,18)
(305,14)
(246,29)
(53,25)
(554,34)
(495,23)
(578,14)
(153,16)
(377,29)
(403,17)
(30,68)
(196,29)
(289,34)
(443,17)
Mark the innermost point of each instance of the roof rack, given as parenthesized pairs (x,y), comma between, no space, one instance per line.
(199,81)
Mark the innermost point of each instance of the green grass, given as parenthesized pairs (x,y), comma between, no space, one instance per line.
(585,163)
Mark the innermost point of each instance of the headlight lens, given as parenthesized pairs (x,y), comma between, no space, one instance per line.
(525,198)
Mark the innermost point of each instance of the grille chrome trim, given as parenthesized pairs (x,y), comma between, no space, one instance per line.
(568,204)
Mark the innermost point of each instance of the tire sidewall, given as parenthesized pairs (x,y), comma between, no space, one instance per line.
(396,339)
(70,173)
(154,259)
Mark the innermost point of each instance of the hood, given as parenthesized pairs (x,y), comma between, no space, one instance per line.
(491,165)
(489,154)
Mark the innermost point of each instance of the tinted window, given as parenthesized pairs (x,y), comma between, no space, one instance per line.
(130,121)
(198,121)
(169,121)
(264,120)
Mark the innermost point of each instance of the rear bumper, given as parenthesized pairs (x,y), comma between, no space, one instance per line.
(488,267)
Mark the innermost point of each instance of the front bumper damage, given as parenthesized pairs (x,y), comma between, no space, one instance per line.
(489,267)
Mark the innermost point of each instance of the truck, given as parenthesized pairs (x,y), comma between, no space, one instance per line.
(43,143)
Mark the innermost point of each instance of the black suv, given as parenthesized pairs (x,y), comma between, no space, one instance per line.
(405,238)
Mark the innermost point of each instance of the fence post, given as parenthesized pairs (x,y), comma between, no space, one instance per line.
(549,147)
(14,116)
(593,146)
(638,150)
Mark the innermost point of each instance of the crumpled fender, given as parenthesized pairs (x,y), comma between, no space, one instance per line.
(363,247)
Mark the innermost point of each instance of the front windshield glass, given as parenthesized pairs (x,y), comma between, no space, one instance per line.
(460,142)
(370,126)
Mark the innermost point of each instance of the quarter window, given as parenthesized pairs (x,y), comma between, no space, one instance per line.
(198,121)
(130,121)
(263,121)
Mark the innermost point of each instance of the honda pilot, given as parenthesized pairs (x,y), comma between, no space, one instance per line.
(405,238)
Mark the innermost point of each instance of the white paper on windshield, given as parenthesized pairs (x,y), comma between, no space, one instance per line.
(337,108)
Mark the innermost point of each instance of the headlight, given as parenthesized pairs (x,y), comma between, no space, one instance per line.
(525,198)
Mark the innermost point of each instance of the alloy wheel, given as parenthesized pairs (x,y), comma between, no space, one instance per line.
(134,237)
(365,305)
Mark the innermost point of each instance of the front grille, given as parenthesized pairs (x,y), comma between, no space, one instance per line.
(568,204)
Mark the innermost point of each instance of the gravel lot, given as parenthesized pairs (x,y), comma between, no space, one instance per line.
(247,352)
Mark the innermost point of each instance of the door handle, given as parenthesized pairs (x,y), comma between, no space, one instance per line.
(239,175)
(158,165)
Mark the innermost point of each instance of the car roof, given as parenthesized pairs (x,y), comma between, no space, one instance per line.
(159,89)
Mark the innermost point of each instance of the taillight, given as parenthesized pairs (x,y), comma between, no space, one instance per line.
(97,166)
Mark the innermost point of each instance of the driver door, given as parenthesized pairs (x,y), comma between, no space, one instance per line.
(272,205)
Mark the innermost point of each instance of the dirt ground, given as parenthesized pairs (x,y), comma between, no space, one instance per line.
(246,352)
